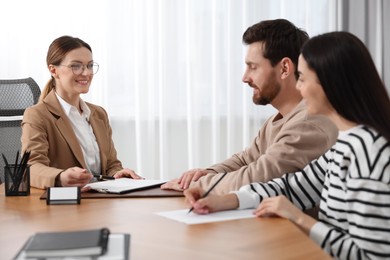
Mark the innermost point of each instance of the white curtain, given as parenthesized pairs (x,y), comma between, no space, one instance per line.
(369,21)
(170,70)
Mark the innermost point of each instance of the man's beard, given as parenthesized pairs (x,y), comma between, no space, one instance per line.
(270,93)
(261,101)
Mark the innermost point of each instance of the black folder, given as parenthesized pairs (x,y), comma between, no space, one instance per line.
(113,241)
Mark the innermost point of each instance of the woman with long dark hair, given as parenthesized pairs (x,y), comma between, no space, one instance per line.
(350,182)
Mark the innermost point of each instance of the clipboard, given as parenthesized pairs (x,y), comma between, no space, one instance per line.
(123,185)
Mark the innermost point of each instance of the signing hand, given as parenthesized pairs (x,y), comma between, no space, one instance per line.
(211,203)
(127,173)
(75,176)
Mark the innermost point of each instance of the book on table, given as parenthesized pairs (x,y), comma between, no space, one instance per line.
(70,243)
(116,247)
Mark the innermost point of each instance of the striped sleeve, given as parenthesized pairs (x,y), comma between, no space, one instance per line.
(301,188)
(356,224)
(368,236)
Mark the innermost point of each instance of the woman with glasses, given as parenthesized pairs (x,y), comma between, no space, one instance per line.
(350,182)
(70,140)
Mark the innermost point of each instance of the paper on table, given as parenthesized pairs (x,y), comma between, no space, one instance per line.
(193,218)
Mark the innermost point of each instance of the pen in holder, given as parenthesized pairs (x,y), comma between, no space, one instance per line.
(17,177)
(17,184)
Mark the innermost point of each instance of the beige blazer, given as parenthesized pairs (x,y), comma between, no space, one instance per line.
(48,134)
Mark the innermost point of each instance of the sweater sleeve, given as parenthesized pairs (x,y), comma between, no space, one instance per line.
(294,147)
(301,188)
(368,216)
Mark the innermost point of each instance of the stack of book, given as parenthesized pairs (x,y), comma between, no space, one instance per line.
(81,244)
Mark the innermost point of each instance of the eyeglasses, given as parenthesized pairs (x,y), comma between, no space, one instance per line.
(78,68)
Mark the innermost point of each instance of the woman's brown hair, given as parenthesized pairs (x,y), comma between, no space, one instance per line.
(58,49)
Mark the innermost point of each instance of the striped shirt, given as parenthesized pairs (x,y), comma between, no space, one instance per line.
(351,182)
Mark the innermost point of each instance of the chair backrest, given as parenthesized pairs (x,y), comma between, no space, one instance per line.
(15,96)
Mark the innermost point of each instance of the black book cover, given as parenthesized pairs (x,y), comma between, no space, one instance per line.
(73,243)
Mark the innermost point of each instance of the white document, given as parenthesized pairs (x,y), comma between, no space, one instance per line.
(193,218)
(123,185)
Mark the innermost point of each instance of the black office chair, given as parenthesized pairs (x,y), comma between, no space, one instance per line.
(15,96)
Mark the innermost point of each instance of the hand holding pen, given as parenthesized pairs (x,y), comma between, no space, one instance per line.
(202,203)
(74,176)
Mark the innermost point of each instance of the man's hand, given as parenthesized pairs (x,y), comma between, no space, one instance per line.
(172,185)
(185,180)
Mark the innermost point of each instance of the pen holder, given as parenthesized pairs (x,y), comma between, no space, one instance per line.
(17,180)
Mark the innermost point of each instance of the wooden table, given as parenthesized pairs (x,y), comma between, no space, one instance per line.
(153,236)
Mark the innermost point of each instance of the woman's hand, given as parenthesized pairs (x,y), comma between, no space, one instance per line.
(282,207)
(128,174)
(75,176)
(211,203)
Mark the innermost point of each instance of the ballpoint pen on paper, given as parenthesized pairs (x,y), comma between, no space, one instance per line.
(209,190)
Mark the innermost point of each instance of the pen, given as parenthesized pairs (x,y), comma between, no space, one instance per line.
(103,177)
(21,169)
(8,166)
(16,161)
(5,160)
(207,192)
(10,174)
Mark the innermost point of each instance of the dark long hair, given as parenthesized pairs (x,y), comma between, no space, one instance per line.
(57,52)
(281,39)
(349,78)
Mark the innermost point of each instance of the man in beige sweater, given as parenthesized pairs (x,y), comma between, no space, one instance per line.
(288,140)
